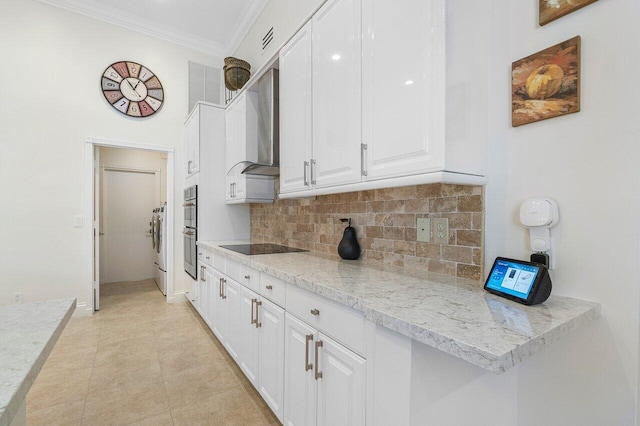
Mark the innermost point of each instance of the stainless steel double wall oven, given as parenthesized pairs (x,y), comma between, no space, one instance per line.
(191,231)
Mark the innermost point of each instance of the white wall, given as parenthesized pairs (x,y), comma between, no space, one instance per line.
(50,101)
(588,163)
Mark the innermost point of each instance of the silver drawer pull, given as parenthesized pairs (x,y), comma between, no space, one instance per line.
(247,277)
(315,312)
(269,287)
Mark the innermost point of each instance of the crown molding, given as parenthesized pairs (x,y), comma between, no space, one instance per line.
(150,28)
(250,14)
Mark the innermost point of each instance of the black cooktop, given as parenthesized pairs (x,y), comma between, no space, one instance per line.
(251,249)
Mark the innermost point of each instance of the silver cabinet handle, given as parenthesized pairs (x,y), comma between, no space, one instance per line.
(318,374)
(220,289)
(253,302)
(313,170)
(189,166)
(363,168)
(188,232)
(258,323)
(207,257)
(247,277)
(306,178)
(189,205)
(308,338)
(269,287)
(315,312)
(224,288)
(202,271)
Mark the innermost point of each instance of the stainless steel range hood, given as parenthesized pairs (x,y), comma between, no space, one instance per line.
(268,155)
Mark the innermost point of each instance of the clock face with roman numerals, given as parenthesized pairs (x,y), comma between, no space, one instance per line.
(132,89)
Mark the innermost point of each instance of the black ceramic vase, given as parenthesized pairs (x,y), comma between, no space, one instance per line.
(349,248)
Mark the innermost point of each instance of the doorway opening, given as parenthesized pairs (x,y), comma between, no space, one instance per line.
(130,199)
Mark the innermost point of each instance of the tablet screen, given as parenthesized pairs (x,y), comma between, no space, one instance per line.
(512,278)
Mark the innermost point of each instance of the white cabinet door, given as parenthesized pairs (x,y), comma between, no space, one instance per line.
(271,360)
(300,389)
(295,111)
(249,335)
(231,302)
(403,87)
(192,143)
(219,324)
(337,93)
(341,389)
(207,280)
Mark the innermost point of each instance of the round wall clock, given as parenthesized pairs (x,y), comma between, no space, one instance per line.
(132,89)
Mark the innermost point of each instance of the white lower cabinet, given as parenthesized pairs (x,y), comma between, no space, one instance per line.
(219,307)
(304,376)
(206,281)
(271,359)
(324,381)
(250,335)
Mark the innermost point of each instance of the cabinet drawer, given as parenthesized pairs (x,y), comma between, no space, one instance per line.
(250,278)
(219,263)
(205,256)
(338,321)
(273,289)
(234,270)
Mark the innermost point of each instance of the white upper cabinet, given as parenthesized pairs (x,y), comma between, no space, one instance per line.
(336,83)
(403,88)
(295,111)
(390,106)
(192,143)
(320,101)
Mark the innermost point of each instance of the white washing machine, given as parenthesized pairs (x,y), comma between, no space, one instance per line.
(160,249)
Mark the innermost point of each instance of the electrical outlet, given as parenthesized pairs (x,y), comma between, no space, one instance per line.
(423,225)
(17,298)
(441,230)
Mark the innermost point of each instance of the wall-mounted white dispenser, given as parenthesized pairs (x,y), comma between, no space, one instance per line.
(539,215)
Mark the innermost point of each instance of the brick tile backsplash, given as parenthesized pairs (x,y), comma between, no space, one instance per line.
(385,222)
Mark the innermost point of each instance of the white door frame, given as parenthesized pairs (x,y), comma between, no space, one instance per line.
(90,144)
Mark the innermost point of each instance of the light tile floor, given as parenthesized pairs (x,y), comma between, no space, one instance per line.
(141,361)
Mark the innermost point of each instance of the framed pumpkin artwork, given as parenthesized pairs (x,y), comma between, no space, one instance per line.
(546,84)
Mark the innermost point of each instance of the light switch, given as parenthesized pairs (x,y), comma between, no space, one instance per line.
(424,229)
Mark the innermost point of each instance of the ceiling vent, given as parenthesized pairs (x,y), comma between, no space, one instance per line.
(205,84)
(267,39)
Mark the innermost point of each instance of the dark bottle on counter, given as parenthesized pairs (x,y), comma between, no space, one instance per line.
(349,248)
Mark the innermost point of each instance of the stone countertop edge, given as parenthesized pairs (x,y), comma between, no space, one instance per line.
(39,333)
(498,360)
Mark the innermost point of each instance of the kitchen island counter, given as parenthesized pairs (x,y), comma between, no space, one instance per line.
(456,316)
(28,333)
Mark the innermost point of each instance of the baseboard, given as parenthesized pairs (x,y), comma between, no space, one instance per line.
(178,297)
(83,310)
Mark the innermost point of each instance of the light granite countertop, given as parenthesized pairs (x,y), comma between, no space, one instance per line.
(454,315)
(28,333)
